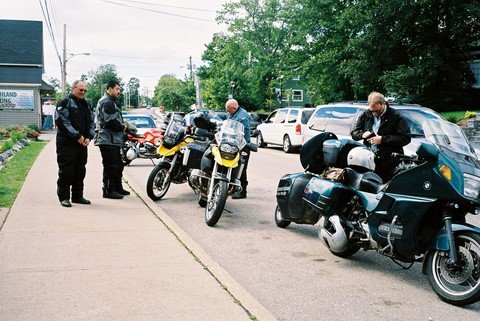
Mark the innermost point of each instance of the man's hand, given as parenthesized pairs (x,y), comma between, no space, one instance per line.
(377,140)
(81,140)
(86,141)
(129,126)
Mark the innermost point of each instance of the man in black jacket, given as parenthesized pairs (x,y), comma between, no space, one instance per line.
(385,131)
(75,122)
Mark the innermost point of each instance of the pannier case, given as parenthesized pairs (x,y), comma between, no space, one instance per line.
(324,195)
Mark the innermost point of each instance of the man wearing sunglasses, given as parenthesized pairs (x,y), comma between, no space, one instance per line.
(75,122)
(385,131)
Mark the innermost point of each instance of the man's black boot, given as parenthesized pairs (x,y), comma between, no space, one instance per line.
(81,200)
(240,195)
(122,191)
(112,194)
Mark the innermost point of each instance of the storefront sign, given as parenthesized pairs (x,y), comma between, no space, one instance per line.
(16,99)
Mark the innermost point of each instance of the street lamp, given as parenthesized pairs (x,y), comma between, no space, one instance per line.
(64,66)
(280,92)
(232,85)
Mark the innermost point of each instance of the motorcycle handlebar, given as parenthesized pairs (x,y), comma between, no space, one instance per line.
(410,158)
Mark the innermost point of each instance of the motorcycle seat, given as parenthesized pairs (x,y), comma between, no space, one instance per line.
(368,182)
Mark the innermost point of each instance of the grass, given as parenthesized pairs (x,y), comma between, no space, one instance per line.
(455,116)
(13,175)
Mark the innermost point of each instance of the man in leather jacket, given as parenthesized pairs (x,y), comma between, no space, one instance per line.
(241,115)
(385,131)
(76,127)
(110,138)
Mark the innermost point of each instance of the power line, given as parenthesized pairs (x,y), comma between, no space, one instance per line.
(48,24)
(156,11)
(135,57)
(167,6)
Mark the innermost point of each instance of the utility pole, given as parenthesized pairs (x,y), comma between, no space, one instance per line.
(64,61)
(190,67)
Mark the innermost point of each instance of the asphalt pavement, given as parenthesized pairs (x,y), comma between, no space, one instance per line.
(111,260)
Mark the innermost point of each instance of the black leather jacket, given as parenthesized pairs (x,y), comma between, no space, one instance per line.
(393,129)
(74,118)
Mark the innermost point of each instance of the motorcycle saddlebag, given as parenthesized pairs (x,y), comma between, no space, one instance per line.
(325,195)
(193,154)
(289,198)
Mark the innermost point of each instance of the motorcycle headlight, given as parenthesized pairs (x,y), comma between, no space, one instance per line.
(157,141)
(228,151)
(471,186)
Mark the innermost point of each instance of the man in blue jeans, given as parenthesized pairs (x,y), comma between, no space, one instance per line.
(241,115)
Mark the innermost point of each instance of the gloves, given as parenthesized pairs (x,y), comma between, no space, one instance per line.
(130,127)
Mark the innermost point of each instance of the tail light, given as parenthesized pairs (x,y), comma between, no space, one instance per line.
(298,129)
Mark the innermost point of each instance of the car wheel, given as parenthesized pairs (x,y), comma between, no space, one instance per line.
(260,142)
(287,144)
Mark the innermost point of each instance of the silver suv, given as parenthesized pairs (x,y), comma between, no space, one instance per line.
(340,119)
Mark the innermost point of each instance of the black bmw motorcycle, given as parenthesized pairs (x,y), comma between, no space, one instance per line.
(417,216)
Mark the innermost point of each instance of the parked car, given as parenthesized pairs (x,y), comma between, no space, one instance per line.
(284,127)
(142,121)
(340,119)
(254,122)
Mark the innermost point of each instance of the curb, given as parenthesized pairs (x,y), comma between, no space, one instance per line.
(253,308)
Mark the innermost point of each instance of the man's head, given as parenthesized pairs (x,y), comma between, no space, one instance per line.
(231,106)
(376,103)
(113,88)
(79,88)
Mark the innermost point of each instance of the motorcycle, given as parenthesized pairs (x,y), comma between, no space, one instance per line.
(419,215)
(180,153)
(221,169)
(141,145)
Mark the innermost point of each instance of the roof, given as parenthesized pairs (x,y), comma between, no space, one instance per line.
(21,42)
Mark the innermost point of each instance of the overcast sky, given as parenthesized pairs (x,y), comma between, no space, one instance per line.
(144,43)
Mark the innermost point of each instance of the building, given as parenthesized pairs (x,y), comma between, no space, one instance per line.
(21,69)
(293,93)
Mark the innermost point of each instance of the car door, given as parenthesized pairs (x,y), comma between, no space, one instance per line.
(267,127)
(279,126)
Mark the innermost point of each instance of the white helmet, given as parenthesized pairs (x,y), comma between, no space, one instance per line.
(361,157)
(131,154)
(332,234)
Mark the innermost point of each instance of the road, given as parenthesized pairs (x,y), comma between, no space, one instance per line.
(288,270)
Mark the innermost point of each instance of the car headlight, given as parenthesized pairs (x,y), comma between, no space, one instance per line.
(471,185)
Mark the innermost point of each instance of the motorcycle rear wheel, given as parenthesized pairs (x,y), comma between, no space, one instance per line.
(214,207)
(279,219)
(459,285)
(158,182)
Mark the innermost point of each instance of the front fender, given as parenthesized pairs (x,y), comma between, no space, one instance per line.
(440,241)
(224,162)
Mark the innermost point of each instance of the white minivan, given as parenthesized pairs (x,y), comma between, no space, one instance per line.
(284,127)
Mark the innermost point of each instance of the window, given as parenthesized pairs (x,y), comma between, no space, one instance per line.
(292,116)
(475,66)
(271,118)
(281,116)
(306,114)
(341,120)
(297,95)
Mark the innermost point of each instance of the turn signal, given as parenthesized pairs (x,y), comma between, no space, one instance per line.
(446,172)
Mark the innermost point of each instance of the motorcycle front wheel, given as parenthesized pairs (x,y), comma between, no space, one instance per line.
(216,204)
(158,181)
(457,284)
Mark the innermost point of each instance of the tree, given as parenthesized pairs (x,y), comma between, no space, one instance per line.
(174,94)
(132,86)
(249,55)
(97,81)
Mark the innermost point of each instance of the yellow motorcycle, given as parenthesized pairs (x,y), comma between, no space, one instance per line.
(179,153)
(221,169)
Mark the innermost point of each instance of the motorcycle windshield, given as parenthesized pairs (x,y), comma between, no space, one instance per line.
(448,135)
(174,131)
(231,132)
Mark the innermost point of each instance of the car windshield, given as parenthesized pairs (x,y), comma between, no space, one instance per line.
(141,121)
(447,135)
(415,118)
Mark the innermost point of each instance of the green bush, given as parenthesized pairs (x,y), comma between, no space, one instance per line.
(16,135)
(453,118)
(6,145)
